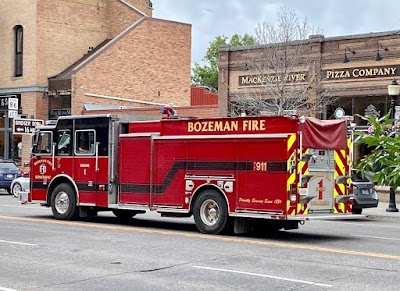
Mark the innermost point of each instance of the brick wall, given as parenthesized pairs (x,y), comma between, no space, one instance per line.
(66,30)
(141,5)
(150,63)
(201,111)
(23,14)
(120,15)
(58,33)
(325,54)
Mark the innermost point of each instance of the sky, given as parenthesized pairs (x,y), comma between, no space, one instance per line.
(210,18)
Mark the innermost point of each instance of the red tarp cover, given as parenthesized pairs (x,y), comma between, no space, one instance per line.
(324,134)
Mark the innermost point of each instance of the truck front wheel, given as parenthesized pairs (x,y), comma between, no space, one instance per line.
(63,202)
(211,213)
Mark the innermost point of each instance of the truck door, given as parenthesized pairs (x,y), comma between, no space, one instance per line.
(42,167)
(86,167)
(91,153)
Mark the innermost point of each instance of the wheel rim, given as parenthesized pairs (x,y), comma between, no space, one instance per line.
(62,202)
(209,212)
(16,189)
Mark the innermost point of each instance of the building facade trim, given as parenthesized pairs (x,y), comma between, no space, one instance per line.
(124,99)
(23,89)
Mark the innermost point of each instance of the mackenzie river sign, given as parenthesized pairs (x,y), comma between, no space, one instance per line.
(261,79)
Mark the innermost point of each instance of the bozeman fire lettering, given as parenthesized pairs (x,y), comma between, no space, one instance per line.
(253,125)
(227,125)
(203,126)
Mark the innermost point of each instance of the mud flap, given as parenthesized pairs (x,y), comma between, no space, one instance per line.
(241,225)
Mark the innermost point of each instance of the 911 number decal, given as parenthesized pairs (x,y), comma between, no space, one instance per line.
(260,166)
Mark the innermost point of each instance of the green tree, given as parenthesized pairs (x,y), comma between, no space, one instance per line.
(384,159)
(207,75)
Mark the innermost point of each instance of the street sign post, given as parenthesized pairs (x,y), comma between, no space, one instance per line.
(25,126)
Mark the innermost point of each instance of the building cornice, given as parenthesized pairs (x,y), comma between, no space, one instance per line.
(312,39)
(24,89)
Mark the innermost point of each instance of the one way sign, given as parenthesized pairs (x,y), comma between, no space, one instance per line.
(26,126)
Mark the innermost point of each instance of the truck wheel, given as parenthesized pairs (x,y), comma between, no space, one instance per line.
(211,213)
(124,214)
(63,202)
(356,210)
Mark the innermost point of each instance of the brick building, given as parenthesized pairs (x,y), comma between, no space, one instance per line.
(60,57)
(354,69)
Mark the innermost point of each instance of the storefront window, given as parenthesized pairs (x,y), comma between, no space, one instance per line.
(60,105)
(359,105)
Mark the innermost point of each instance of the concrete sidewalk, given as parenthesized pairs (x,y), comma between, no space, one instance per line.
(380,211)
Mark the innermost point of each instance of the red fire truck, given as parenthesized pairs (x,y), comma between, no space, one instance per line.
(229,173)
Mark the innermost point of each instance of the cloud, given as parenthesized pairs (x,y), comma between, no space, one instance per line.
(210,18)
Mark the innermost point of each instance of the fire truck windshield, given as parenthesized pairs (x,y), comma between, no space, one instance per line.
(42,144)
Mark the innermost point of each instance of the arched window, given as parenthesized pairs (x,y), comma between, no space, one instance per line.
(18,52)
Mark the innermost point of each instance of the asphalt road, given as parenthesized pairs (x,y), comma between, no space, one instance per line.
(38,252)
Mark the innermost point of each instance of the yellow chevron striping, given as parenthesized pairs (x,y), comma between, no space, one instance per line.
(291,167)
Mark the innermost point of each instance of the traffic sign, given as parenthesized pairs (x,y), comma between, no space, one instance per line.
(26,126)
(12,113)
(13,104)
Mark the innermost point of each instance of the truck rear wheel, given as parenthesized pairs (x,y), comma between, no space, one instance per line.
(211,213)
(63,202)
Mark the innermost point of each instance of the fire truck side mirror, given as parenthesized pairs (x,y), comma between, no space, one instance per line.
(36,138)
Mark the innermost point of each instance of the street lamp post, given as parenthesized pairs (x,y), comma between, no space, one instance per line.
(393,91)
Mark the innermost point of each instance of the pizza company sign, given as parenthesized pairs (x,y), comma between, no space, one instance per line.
(359,73)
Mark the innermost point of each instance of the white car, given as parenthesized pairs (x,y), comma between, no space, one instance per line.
(18,185)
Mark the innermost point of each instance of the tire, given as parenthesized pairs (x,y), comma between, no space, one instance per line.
(124,214)
(16,189)
(210,213)
(63,202)
(356,210)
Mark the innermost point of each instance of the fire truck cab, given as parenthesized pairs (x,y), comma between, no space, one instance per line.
(229,173)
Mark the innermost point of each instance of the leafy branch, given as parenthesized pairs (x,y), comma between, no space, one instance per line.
(384,159)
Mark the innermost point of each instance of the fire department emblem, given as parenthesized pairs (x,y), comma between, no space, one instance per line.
(42,169)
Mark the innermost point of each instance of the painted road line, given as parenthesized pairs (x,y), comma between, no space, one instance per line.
(377,237)
(6,289)
(265,276)
(27,207)
(359,224)
(16,243)
(207,237)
